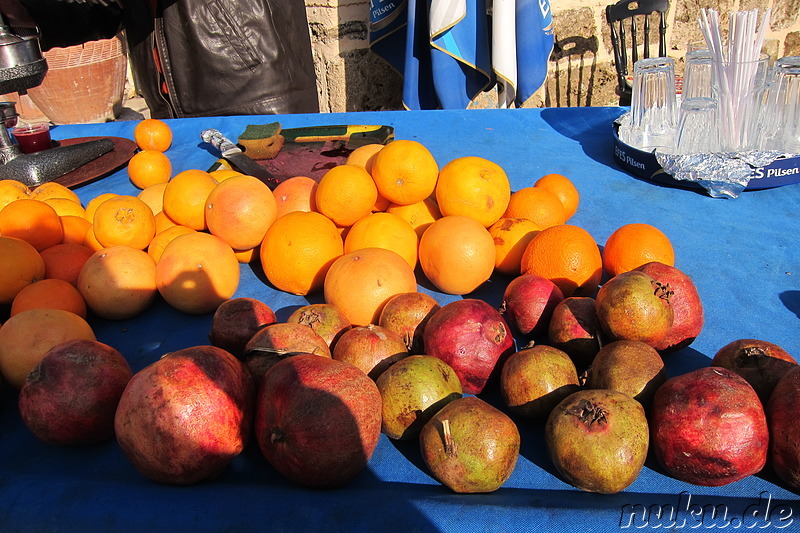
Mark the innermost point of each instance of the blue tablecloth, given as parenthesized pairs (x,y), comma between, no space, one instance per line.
(742,255)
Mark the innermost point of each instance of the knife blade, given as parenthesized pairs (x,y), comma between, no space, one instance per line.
(232,153)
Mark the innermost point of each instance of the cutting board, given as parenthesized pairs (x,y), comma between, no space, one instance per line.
(312,151)
(100,167)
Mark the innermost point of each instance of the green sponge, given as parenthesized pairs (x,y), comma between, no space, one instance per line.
(262,141)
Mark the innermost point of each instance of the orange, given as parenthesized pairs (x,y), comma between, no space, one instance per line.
(633,245)
(185,197)
(53,189)
(405,172)
(153,196)
(295,194)
(49,294)
(457,254)
(346,193)
(364,156)
(568,256)
(360,283)
(32,221)
(247,256)
(240,210)
(197,272)
(221,174)
(162,239)
(118,282)
(95,202)
(27,337)
(11,190)
(381,204)
(149,167)
(474,187)
(298,249)
(384,230)
(75,228)
(91,241)
(20,265)
(64,261)
(538,205)
(511,237)
(163,222)
(153,134)
(65,207)
(124,220)
(564,189)
(420,214)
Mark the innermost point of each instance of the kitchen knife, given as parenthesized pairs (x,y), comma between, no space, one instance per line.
(232,153)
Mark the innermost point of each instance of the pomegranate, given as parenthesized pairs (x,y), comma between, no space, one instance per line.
(534,380)
(782,409)
(470,446)
(471,336)
(528,303)
(413,390)
(406,314)
(183,418)
(634,306)
(687,309)
(279,341)
(574,329)
(631,367)
(372,349)
(327,320)
(709,427)
(598,440)
(318,420)
(236,321)
(762,364)
(71,396)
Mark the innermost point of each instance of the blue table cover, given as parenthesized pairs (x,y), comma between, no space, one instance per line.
(742,254)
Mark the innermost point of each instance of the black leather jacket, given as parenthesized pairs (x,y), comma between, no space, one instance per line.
(199,57)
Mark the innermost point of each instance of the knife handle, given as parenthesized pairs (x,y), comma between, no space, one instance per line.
(218,140)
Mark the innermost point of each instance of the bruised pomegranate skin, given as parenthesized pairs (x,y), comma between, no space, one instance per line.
(782,410)
(472,337)
(317,420)
(183,418)
(327,320)
(687,308)
(528,303)
(709,427)
(236,321)
(71,396)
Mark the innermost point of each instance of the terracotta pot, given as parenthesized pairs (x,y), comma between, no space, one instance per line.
(84,83)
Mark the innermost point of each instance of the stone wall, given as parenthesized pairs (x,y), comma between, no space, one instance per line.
(580,73)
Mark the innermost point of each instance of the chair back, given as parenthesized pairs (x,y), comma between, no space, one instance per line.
(623,19)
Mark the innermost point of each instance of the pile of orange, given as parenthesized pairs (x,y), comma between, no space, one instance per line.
(356,235)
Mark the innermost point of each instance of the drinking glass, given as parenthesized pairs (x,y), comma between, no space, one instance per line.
(739,88)
(697,75)
(653,103)
(782,113)
(693,46)
(698,126)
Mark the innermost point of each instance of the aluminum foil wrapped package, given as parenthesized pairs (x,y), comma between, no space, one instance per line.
(723,175)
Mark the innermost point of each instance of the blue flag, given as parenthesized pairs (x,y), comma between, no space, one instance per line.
(449,51)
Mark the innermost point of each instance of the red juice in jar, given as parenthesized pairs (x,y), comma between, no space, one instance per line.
(32,137)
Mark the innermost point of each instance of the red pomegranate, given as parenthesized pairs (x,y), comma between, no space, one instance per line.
(708,427)
(184,418)
(471,336)
(318,420)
